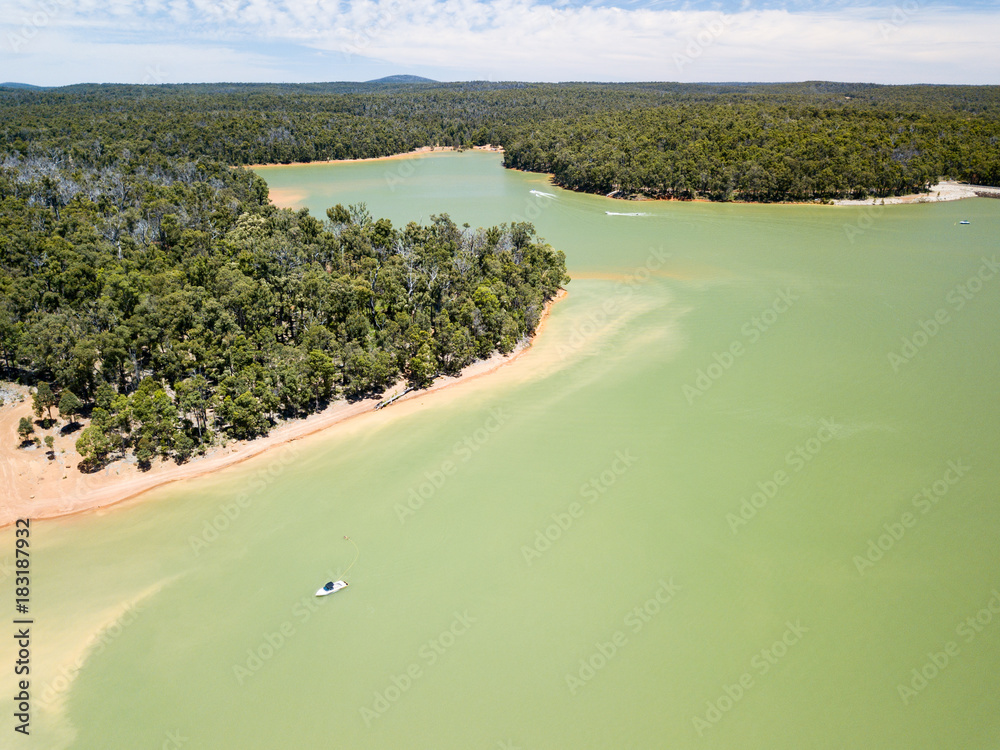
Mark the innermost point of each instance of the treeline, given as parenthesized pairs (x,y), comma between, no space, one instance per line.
(773,142)
(762,151)
(147,283)
(177,306)
(254,124)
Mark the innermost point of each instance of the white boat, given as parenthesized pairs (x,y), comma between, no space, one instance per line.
(332,587)
(963,221)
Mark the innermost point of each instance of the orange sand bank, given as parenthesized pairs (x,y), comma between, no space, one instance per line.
(422,151)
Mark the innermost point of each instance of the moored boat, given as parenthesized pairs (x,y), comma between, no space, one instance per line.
(331,587)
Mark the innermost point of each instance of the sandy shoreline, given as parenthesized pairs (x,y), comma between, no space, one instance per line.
(941,192)
(422,151)
(35,487)
(947,190)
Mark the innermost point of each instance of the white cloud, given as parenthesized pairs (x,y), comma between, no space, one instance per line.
(516,39)
(133,63)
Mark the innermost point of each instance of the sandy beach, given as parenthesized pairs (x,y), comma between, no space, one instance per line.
(942,191)
(33,485)
(422,151)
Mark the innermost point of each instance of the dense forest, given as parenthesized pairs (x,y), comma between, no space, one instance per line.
(770,142)
(759,152)
(147,283)
(174,306)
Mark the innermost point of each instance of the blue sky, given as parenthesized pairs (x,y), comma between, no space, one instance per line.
(57,42)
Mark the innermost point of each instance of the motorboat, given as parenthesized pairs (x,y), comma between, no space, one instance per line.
(331,587)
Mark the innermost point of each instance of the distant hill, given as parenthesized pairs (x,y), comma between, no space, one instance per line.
(403,79)
(11,85)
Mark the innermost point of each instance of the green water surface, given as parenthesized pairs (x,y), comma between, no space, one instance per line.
(577,558)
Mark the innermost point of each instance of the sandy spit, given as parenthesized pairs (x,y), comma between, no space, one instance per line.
(37,487)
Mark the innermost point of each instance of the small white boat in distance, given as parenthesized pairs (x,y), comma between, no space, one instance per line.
(331,587)
(963,221)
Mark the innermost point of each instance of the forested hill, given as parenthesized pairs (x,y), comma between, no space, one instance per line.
(770,142)
(171,304)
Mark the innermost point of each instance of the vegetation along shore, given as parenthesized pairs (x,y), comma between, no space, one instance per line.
(154,303)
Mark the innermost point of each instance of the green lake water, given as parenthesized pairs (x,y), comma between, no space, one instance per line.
(707,510)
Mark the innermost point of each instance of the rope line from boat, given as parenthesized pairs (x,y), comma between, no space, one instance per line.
(357,554)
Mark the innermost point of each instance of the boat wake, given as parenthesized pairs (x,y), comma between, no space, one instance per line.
(634,213)
(540,194)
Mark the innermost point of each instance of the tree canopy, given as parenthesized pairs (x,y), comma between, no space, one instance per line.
(147,283)
(175,306)
(802,141)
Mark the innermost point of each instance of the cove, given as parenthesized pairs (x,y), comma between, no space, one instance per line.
(448,637)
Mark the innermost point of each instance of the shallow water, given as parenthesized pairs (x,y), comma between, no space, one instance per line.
(659,528)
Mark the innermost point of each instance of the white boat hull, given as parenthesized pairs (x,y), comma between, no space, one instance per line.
(332,588)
